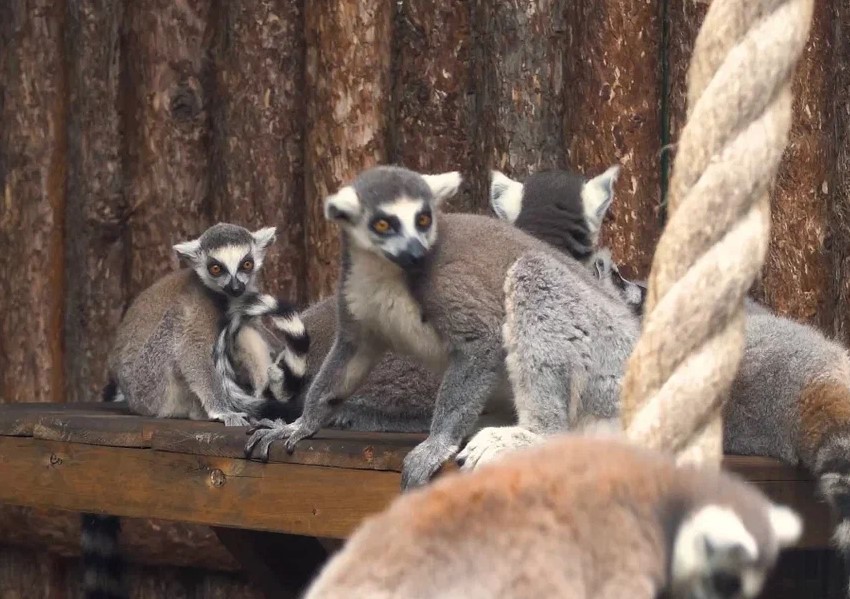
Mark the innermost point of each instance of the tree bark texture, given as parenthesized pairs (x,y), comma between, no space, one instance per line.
(434,96)
(148,542)
(33,112)
(796,279)
(258,123)
(96,209)
(348,84)
(27,574)
(166,65)
(613,94)
(839,246)
(525,48)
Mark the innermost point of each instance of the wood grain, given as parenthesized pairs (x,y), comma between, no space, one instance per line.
(839,198)
(347,93)
(33,140)
(435,85)
(613,98)
(97,209)
(306,500)
(258,114)
(165,74)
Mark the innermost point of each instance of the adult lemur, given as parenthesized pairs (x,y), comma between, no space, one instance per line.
(440,297)
(579,518)
(172,358)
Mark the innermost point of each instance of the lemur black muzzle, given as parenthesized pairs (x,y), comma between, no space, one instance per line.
(235,288)
(413,255)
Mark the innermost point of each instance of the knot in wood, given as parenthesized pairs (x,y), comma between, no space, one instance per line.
(55,460)
(217,478)
(185,102)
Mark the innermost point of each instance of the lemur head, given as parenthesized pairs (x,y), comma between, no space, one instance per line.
(725,550)
(391,211)
(605,269)
(227,257)
(562,208)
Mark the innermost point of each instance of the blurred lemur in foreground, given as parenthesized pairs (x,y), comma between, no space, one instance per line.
(558,521)
(439,288)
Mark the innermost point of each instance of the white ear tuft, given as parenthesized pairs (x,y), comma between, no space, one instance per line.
(264,237)
(343,205)
(597,195)
(505,196)
(188,250)
(786,524)
(444,185)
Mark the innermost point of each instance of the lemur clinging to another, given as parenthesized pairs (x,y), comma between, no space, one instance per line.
(558,521)
(434,288)
(169,357)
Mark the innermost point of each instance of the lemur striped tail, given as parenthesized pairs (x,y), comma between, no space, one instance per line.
(292,361)
(102,567)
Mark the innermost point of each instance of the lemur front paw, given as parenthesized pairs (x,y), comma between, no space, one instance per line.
(265,432)
(231,418)
(423,462)
(490,443)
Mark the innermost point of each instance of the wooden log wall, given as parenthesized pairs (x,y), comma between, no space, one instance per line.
(128,126)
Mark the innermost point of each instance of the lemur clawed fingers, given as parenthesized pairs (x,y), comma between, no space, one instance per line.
(423,461)
(232,418)
(491,442)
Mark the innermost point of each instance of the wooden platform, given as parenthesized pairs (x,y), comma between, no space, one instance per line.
(98,458)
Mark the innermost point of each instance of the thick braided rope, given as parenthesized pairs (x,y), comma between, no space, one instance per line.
(739,115)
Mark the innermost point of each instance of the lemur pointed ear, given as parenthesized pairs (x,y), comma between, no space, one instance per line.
(786,525)
(343,205)
(188,250)
(597,195)
(264,237)
(444,185)
(505,196)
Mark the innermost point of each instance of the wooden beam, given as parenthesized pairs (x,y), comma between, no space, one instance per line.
(141,483)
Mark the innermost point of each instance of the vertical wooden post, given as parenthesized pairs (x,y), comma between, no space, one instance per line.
(33,139)
(167,131)
(96,209)
(840,188)
(613,99)
(258,123)
(433,101)
(348,80)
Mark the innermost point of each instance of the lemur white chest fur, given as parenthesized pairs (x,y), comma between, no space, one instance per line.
(377,296)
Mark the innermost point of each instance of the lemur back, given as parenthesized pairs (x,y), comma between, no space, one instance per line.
(558,521)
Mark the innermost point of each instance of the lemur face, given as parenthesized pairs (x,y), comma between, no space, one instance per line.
(227,257)
(391,211)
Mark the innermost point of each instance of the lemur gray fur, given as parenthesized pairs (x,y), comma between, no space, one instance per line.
(171,357)
(398,395)
(790,400)
(558,521)
(440,298)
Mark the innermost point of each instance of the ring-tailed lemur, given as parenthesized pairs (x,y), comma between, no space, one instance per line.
(398,395)
(576,517)
(440,298)
(172,358)
(790,399)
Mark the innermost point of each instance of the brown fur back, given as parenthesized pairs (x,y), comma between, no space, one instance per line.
(824,409)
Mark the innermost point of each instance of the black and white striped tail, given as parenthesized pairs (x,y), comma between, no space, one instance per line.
(292,361)
(102,566)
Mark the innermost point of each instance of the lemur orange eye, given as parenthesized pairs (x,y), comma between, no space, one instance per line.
(248,265)
(381,225)
(423,221)
(214,269)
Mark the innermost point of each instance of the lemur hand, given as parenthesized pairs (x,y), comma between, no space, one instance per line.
(491,442)
(425,459)
(265,432)
(231,418)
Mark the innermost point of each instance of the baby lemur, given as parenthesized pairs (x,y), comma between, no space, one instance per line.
(558,521)
(441,297)
(171,356)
